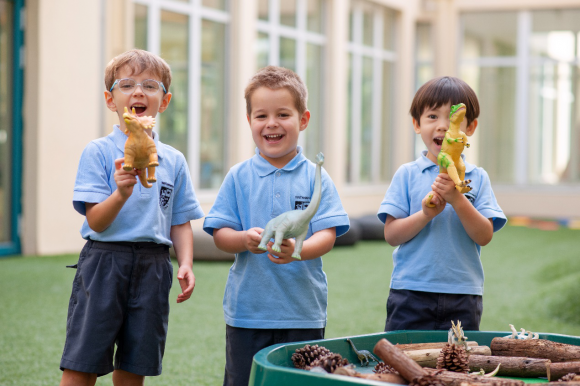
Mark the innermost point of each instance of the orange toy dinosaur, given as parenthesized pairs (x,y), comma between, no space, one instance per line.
(140,150)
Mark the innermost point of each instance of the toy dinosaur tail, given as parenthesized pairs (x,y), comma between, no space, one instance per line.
(143,179)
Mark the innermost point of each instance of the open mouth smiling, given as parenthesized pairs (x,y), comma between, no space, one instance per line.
(273,137)
(139,108)
(438,141)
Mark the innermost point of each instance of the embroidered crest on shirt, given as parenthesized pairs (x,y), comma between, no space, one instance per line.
(301,202)
(470,196)
(165,194)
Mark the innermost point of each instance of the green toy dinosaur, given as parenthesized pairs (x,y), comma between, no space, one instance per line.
(449,158)
(364,356)
(294,223)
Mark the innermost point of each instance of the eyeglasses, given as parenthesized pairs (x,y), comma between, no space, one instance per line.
(149,86)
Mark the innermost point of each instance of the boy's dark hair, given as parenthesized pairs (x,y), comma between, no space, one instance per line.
(274,78)
(442,90)
(138,61)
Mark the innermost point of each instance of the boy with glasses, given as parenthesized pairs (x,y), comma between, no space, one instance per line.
(124,273)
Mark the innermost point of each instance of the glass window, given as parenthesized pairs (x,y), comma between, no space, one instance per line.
(173,123)
(282,41)
(193,43)
(553,141)
(213,110)
(371,84)
(140,26)
(480,40)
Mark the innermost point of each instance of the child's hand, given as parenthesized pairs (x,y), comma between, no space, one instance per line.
(445,187)
(186,281)
(285,254)
(252,239)
(436,200)
(125,180)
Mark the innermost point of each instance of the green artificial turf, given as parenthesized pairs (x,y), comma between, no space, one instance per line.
(531,281)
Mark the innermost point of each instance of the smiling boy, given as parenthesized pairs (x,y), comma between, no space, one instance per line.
(274,298)
(120,292)
(437,274)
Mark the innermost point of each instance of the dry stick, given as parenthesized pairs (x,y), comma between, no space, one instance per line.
(558,370)
(428,357)
(391,355)
(426,346)
(510,366)
(390,378)
(451,378)
(535,348)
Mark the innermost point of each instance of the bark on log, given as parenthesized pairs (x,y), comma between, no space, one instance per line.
(391,355)
(558,370)
(510,366)
(425,346)
(428,357)
(451,378)
(563,383)
(535,348)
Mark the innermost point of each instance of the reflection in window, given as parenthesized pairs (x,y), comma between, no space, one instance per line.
(290,34)
(370,83)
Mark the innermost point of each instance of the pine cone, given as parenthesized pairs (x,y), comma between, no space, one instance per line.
(329,362)
(383,368)
(427,380)
(568,377)
(453,358)
(304,356)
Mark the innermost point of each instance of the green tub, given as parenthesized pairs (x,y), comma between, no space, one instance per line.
(273,365)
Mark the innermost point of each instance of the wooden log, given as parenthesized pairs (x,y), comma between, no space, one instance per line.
(510,366)
(394,357)
(425,346)
(573,383)
(558,370)
(450,378)
(535,348)
(389,378)
(428,357)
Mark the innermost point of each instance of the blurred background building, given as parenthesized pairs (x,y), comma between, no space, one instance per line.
(362,61)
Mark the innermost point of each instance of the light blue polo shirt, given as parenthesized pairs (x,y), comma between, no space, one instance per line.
(442,258)
(149,213)
(259,293)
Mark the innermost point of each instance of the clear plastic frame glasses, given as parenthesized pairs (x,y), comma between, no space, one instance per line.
(149,86)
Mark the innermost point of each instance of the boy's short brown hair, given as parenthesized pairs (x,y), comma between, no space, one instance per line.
(138,61)
(274,77)
(442,90)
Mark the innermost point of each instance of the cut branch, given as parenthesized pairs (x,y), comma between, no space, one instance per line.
(428,357)
(558,370)
(510,366)
(394,357)
(535,348)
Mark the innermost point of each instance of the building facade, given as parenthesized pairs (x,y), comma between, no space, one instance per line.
(362,61)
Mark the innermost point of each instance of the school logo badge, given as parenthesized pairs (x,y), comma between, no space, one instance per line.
(470,196)
(165,194)
(301,202)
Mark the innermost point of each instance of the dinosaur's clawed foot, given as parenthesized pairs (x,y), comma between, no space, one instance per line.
(151,179)
(262,247)
(296,256)
(276,248)
(153,164)
(128,167)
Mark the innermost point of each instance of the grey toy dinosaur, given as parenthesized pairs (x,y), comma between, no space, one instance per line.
(294,223)
(364,356)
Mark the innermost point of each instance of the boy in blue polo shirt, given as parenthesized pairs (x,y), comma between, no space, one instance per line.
(273,298)
(124,274)
(437,275)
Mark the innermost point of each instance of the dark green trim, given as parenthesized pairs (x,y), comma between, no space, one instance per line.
(13,247)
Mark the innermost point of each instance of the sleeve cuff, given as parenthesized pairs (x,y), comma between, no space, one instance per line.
(341,223)
(183,217)
(80,198)
(391,210)
(212,223)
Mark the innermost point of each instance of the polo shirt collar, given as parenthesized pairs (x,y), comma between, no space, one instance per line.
(119,138)
(424,163)
(264,168)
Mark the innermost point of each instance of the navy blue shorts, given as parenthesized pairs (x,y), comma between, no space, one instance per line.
(417,310)
(243,343)
(120,296)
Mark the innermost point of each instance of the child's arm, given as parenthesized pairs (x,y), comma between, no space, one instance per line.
(182,238)
(320,243)
(101,215)
(232,241)
(400,230)
(477,226)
